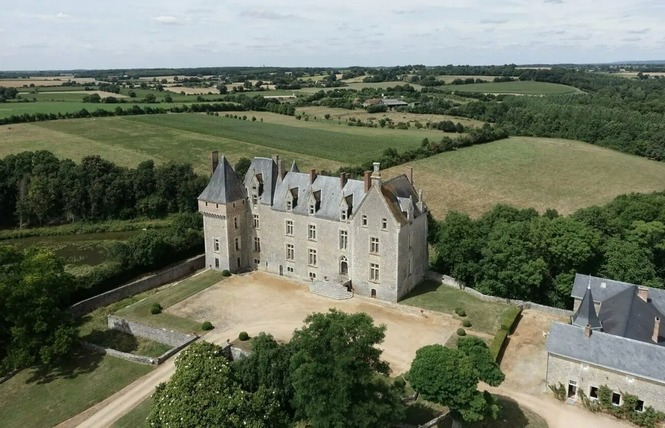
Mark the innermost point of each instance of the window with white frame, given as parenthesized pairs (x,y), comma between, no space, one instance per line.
(373,272)
(311,260)
(289,227)
(257,244)
(311,232)
(364,220)
(257,223)
(290,252)
(255,199)
(384,223)
(216,245)
(373,244)
(312,209)
(343,239)
(343,214)
(289,205)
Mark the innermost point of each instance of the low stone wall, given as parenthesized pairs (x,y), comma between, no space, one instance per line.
(144,284)
(452,282)
(124,355)
(161,335)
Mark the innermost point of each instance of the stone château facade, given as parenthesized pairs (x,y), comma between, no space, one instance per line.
(368,235)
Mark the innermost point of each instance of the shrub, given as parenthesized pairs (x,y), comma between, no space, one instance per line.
(497,343)
(207,325)
(243,336)
(461,332)
(156,308)
(559,391)
(466,323)
(226,272)
(460,312)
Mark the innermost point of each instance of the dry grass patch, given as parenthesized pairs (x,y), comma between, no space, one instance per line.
(526,172)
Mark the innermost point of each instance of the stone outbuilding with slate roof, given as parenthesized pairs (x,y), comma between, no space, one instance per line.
(614,339)
(368,236)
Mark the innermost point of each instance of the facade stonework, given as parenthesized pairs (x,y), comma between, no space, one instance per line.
(367,235)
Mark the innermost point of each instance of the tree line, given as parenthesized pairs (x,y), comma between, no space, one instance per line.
(520,254)
(36,188)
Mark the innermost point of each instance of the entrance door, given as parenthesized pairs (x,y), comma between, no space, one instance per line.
(281,270)
(572,389)
(373,294)
(343,266)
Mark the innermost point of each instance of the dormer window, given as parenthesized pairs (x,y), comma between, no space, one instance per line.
(343,215)
(289,206)
(257,185)
(292,199)
(312,209)
(314,202)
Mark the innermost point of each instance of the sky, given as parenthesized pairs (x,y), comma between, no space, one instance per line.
(77,34)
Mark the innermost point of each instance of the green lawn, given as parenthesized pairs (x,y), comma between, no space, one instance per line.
(484,316)
(139,305)
(526,87)
(137,417)
(34,399)
(527,172)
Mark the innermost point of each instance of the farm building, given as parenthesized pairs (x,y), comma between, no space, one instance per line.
(614,339)
(390,103)
(342,236)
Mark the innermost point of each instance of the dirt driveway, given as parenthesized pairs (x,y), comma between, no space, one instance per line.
(258,302)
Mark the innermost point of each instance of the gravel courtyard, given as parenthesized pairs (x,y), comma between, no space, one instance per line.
(258,302)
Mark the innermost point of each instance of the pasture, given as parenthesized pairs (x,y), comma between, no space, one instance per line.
(55,107)
(517,88)
(526,172)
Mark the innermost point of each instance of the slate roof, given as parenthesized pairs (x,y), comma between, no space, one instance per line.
(600,292)
(586,313)
(224,186)
(643,359)
(267,168)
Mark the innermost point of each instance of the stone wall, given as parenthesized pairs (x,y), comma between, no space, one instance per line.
(564,370)
(124,355)
(160,278)
(452,282)
(161,335)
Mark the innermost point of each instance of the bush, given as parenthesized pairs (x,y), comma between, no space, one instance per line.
(206,326)
(466,323)
(460,312)
(497,343)
(226,272)
(243,336)
(509,317)
(559,391)
(400,383)
(156,308)
(461,332)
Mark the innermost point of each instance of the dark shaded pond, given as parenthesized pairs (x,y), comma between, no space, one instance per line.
(84,249)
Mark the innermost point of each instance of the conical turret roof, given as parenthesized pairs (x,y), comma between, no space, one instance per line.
(224,185)
(586,313)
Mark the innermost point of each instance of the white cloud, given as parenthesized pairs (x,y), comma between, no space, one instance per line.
(166,20)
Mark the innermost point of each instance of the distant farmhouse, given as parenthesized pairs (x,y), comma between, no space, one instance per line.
(614,339)
(367,237)
(390,103)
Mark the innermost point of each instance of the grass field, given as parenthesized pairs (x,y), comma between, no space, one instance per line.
(34,399)
(137,417)
(518,88)
(449,78)
(530,172)
(71,106)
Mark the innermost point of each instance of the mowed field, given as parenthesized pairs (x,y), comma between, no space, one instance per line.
(528,172)
(130,140)
(518,88)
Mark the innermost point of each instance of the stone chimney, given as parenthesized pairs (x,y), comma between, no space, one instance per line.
(280,167)
(312,176)
(342,180)
(376,174)
(643,293)
(214,157)
(656,330)
(368,180)
(587,330)
(409,174)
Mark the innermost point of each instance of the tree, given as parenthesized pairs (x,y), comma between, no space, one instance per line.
(150,98)
(449,377)
(168,99)
(241,167)
(476,349)
(35,325)
(335,372)
(203,392)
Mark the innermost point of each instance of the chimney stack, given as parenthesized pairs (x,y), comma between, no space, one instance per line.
(376,174)
(342,180)
(587,330)
(214,156)
(656,330)
(280,167)
(312,176)
(409,174)
(368,180)
(643,293)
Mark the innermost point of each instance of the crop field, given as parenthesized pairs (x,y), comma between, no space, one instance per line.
(518,88)
(130,140)
(8,109)
(44,81)
(530,172)
(449,78)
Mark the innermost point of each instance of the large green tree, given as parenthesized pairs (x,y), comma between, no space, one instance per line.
(35,325)
(204,393)
(450,377)
(338,375)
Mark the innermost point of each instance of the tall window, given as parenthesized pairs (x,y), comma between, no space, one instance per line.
(343,239)
(384,223)
(311,260)
(373,272)
(290,252)
(289,227)
(235,222)
(289,205)
(364,220)
(216,244)
(257,223)
(343,214)
(373,245)
(255,199)
(237,242)
(312,209)
(311,232)
(257,244)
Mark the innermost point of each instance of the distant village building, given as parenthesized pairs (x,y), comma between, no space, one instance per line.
(614,339)
(390,103)
(367,237)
